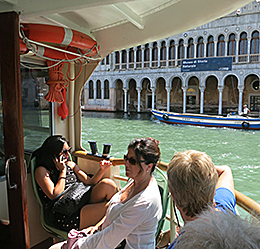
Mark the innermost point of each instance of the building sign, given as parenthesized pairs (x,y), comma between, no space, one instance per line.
(207,64)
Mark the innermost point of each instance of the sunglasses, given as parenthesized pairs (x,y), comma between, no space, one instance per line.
(66,151)
(131,160)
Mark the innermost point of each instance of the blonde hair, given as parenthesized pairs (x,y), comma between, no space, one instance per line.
(192,180)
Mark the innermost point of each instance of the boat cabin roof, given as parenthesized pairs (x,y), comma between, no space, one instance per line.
(121,24)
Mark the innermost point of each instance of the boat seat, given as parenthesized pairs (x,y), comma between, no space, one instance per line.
(52,230)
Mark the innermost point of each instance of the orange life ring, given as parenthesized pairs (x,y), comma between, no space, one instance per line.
(65,38)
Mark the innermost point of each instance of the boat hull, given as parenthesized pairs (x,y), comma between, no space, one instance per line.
(232,121)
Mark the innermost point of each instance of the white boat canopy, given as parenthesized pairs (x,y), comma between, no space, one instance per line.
(121,24)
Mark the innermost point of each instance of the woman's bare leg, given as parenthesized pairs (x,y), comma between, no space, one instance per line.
(103,191)
(91,214)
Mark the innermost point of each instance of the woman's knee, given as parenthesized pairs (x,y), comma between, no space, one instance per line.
(108,182)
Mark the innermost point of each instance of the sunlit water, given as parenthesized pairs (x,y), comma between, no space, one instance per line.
(240,149)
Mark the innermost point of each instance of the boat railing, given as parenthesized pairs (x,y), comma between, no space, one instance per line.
(249,205)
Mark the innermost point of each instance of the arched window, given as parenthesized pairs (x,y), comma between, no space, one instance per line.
(131,55)
(200,48)
(98,89)
(146,52)
(146,55)
(221,46)
(171,53)
(232,44)
(190,48)
(131,58)
(106,89)
(181,49)
(243,44)
(254,48)
(107,60)
(163,51)
(155,54)
(91,90)
(117,57)
(123,58)
(139,57)
(210,46)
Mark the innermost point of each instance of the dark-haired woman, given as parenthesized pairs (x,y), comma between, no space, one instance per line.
(133,212)
(54,173)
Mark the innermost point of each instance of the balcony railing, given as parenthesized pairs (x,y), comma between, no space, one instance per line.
(242,58)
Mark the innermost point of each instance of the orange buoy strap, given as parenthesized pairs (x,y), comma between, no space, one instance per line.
(68,35)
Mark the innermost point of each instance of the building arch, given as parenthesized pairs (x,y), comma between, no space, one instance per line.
(251,92)
(119,95)
(211,98)
(176,93)
(146,93)
(192,95)
(230,91)
(160,93)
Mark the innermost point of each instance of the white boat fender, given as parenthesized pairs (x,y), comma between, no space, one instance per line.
(165,117)
(245,125)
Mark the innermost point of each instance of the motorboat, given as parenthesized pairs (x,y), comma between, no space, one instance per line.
(234,121)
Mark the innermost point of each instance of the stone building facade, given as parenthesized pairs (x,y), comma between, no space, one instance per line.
(151,76)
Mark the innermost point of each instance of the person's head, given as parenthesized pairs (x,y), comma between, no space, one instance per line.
(143,155)
(53,147)
(245,106)
(192,180)
(214,229)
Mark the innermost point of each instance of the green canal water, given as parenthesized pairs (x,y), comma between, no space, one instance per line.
(240,149)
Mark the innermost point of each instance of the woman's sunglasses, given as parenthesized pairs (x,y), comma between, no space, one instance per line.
(131,160)
(66,151)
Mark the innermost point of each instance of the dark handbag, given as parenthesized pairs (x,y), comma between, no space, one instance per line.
(71,199)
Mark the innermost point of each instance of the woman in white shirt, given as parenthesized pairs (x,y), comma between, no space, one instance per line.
(133,212)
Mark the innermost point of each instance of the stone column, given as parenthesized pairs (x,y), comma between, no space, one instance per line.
(237,50)
(220,90)
(168,89)
(159,55)
(95,89)
(215,48)
(102,90)
(138,89)
(153,96)
(202,89)
(167,56)
(240,104)
(150,55)
(127,59)
(248,48)
(176,56)
(205,49)
(120,59)
(135,49)
(226,47)
(142,47)
(113,60)
(125,99)
(185,50)
(195,50)
(184,89)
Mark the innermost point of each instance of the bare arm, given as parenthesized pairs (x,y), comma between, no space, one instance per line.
(104,165)
(225,178)
(42,177)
